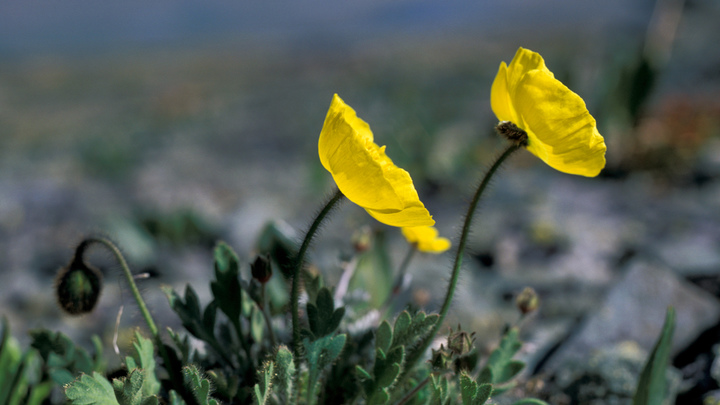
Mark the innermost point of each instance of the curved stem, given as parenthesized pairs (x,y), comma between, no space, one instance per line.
(422,347)
(297,273)
(128,276)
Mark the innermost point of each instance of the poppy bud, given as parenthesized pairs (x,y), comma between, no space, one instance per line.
(261,269)
(527,301)
(78,287)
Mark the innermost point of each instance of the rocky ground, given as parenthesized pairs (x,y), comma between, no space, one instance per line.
(168,152)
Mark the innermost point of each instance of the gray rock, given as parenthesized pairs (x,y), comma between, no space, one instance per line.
(634,310)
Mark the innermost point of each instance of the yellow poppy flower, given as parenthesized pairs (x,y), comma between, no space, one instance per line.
(559,127)
(364,174)
(426,239)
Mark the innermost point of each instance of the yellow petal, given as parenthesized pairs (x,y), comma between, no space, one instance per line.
(426,239)
(364,173)
(560,129)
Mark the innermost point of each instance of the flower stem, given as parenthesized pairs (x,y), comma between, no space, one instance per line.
(422,347)
(108,244)
(130,280)
(395,291)
(297,274)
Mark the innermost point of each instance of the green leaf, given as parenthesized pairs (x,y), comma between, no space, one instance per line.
(440,390)
(501,365)
(323,318)
(472,392)
(175,399)
(383,336)
(408,330)
(320,354)
(530,401)
(651,385)
(468,389)
(62,357)
(198,385)
(262,388)
(285,372)
(91,390)
(144,359)
(129,390)
(226,287)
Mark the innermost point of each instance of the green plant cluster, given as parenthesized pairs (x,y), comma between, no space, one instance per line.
(246,358)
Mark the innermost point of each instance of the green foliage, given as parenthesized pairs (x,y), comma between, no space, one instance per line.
(262,391)
(143,361)
(472,392)
(441,393)
(64,360)
(651,385)
(226,287)
(500,367)
(198,385)
(92,389)
(131,389)
(285,365)
(21,378)
(323,318)
(320,354)
(200,325)
(390,348)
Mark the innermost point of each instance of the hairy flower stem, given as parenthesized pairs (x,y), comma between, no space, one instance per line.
(297,274)
(422,347)
(108,244)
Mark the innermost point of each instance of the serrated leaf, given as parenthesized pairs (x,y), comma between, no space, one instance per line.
(91,390)
(408,330)
(468,389)
(320,354)
(651,385)
(144,359)
(198,385)
(129,390)
(503,368)
(323,318)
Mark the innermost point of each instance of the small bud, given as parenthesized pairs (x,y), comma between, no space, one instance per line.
(261,269)
(440,358)
(512,132)
(527,301)
(460,342)
(362,239)
(78,287)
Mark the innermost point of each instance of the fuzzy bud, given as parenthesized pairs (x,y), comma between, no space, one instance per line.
(78,286)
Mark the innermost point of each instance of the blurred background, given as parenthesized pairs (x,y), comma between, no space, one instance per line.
(168,126)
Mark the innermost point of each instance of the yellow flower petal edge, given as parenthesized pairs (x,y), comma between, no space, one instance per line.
(426,239)
(364,173)
(560,129)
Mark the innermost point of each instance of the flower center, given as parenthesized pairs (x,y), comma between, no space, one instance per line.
(512,132)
